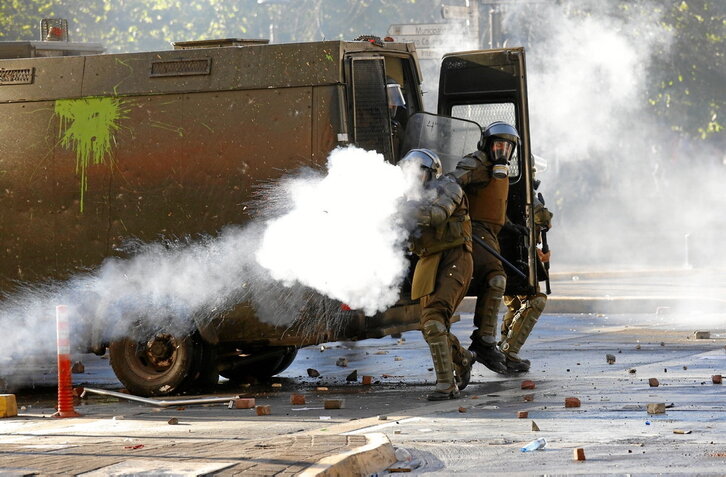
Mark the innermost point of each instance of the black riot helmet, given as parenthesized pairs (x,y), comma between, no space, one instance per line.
(426,160)
(498,141)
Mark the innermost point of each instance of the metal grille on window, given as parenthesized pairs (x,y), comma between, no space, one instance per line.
(485,114)
(370,110)
(17,76)
(188,67)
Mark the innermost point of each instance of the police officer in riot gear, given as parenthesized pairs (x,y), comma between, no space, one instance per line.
(442,241)
(484,176)
(524,311)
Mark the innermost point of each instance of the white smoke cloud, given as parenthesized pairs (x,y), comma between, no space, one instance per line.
(342,237)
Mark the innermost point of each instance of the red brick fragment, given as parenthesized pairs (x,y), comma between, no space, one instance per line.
(522,414)
(463,409)
(578,454)
(572,402)
(265,410)
(528,384)
(242,403)
(653,382)
(297,399)
(716,379)
(528,397)
(333,403)
(367,380)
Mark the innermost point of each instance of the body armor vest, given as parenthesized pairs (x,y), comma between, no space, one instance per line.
(452,233)
(489,203)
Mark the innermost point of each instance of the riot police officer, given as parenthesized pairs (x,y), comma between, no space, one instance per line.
(484,175)
(442,241)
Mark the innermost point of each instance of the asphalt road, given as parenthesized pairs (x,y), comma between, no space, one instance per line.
(568,353)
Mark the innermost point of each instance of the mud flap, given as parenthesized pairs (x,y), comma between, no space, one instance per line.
(424,277)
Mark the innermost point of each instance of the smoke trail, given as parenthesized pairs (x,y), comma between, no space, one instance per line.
(318,236)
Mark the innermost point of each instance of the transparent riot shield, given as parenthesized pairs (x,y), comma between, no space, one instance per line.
(450,138)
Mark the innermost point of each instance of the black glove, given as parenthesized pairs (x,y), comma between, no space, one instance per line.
(516,228)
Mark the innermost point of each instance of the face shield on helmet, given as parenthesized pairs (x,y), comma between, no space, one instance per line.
(395,97)
(424,162)
(500,151)
(498,141)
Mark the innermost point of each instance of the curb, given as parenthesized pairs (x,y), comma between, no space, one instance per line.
(373,457)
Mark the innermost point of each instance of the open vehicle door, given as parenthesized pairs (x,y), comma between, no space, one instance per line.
(488,86)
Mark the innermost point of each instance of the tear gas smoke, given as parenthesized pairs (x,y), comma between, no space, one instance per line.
(343,237)
(318,237)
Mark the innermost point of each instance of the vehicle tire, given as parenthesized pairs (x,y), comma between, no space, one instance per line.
(261,366)
(207,371)
(160,365)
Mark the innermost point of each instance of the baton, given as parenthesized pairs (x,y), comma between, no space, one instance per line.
(497,255)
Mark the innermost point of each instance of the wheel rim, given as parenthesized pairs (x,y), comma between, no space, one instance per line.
(154,357)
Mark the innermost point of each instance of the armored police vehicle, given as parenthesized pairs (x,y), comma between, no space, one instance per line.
(170,143)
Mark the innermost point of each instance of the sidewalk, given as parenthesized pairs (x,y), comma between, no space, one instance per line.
(302,454)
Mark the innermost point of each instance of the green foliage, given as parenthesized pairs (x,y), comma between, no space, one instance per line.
(686,90)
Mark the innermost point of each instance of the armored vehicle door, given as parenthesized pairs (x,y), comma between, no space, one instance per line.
(488,86)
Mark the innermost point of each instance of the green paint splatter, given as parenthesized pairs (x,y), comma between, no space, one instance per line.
(86,127)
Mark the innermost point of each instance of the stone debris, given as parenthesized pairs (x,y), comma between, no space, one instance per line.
(610,358)
(276,385)
(297,399)
(535,427)
(578,454)
(382,418)
(173,421)
(342,362)
(572,402)
(702,335)
(242,403)
(681,431)
(397,358)
(522,414)
(333,403)
(637,346)
(653,382)
(321,388)
(352,377)
(632,371)
(528,384)
(264,410)
(656,408)
(313,373)
(117,418)
(528,397)
(78,368)
(367,380)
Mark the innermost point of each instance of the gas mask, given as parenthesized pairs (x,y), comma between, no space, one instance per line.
(500,151)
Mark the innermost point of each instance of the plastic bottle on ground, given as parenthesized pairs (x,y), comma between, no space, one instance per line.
(535,445)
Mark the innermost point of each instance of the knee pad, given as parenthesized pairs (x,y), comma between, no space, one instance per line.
(433,329)
(538,302)
(497,284)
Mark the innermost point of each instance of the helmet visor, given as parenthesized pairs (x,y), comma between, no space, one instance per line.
(395,96)
(501,151)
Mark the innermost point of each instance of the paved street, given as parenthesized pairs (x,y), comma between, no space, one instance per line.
(568,351)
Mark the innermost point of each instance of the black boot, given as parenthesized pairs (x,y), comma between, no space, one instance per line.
(488,354)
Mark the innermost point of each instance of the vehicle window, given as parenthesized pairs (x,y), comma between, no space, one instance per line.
(487,113)
(371,122)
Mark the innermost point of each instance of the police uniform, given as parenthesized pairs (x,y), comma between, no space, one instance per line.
(441,279)
(487,196)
